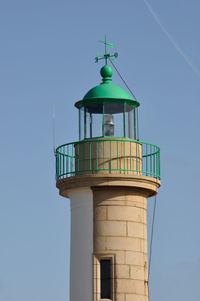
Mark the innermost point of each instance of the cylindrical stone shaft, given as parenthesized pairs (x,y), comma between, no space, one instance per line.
(120,231)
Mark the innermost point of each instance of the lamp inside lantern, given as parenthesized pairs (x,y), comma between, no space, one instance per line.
(108,125)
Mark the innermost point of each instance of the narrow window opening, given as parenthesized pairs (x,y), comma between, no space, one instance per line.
(105,273)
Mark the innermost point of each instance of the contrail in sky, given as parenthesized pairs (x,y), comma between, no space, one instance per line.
(171,39)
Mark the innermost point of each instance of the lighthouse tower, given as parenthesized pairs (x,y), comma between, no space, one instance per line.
(108,175)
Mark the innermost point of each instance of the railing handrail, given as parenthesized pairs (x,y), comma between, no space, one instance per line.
(68,163)
(107,139)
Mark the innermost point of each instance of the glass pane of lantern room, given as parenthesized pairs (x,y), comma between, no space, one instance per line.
(81,123)
(129,121)
(93,120)
(113,119)
(97,125)
(87,124)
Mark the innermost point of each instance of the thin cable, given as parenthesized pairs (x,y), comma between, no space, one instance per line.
(151,241)
(172,40)
(122,78)
(53,128)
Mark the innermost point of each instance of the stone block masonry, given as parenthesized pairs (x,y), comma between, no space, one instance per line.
(120,232)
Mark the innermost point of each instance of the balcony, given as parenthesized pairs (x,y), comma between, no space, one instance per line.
(107,156)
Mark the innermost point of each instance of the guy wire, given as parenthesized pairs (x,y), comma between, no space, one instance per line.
(151,241)
(121,78)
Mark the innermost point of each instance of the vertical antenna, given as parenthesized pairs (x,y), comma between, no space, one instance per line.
(53,128)
(105,43)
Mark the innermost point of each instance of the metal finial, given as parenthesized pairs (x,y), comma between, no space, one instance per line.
(106,55)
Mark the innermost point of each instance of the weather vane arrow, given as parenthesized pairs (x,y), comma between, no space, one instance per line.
(106,55)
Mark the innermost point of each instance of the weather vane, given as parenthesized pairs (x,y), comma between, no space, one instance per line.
(106,55)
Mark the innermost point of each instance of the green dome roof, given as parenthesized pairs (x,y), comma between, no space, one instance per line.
(107,91)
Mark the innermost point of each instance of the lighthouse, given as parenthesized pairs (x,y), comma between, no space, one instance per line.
(108,175)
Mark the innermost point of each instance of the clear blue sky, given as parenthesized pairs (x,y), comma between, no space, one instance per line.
(47,59)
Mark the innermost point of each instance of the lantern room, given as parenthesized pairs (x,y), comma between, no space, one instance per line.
(107,110)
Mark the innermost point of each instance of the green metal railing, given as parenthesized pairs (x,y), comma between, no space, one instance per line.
(103,155)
